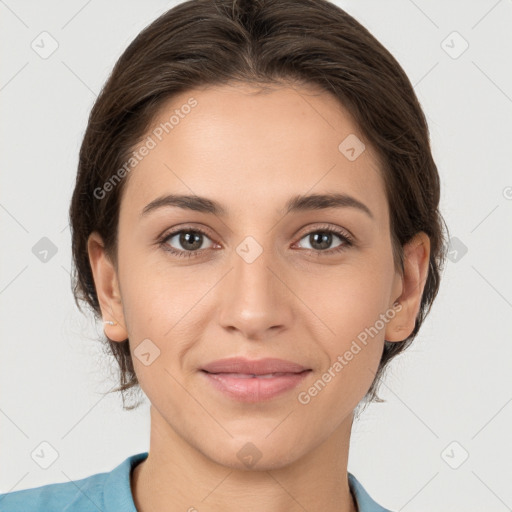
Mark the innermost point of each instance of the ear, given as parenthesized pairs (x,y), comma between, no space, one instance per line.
(416,266)
(107,289)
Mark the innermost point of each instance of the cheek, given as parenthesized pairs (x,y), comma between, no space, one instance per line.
(351,305)
(152,294)
(353,350)
(349,299)
(163,305)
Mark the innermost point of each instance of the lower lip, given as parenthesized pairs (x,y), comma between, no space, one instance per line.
(254,389)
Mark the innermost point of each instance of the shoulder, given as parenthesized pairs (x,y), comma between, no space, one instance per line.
(365,502)
(78,495)
(102,491)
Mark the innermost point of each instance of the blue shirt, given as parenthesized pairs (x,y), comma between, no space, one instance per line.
(111,492)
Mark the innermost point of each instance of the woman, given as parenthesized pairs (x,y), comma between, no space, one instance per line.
(255,219)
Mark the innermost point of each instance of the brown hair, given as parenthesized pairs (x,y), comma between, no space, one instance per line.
(211,42)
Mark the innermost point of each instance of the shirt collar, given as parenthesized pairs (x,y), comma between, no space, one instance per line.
(364,501)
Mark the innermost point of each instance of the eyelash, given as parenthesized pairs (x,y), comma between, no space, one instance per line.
(346,239)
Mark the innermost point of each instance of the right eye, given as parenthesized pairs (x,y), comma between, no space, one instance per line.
(190,239)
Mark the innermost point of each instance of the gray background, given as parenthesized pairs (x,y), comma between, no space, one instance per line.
(449,396)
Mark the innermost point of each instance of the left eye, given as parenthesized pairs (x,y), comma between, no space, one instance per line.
(322,240)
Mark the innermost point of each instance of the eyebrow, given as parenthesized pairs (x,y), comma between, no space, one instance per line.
(295,204)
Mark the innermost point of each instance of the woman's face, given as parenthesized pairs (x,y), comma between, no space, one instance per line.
(271,275)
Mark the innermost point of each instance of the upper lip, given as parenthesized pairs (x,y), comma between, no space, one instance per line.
(254,366)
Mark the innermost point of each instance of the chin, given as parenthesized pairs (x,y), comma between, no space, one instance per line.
(256,455)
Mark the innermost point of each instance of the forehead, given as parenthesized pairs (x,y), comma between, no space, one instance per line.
(246,148)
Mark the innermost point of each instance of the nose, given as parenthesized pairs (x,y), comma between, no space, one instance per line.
(255,299)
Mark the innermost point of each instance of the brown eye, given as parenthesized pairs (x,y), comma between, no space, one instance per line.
(185,242)
(321,241)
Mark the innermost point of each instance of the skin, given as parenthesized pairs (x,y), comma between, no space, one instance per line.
(251,151)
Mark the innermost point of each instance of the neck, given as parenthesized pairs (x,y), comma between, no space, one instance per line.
(177,476)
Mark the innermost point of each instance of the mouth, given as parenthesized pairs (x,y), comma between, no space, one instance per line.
(253,367)
(254,375)
(254,380)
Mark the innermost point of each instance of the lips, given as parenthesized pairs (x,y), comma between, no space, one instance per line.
(249,368)
(253,381)
(253,375)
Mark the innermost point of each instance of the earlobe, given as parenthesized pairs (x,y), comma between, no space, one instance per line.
(416,266)
(107,289)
